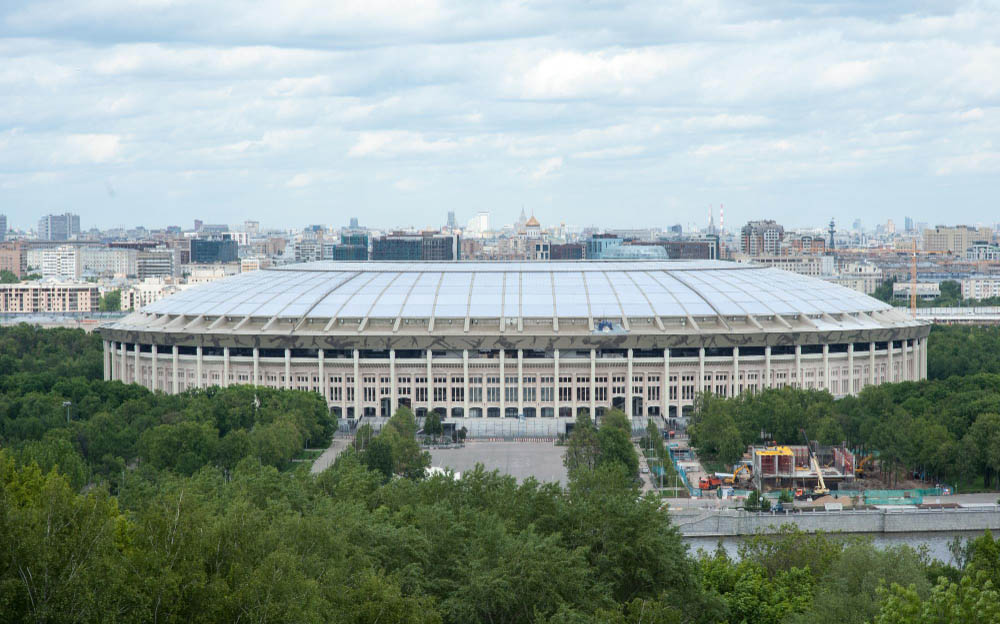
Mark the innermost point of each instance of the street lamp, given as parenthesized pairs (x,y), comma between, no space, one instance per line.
(67,405)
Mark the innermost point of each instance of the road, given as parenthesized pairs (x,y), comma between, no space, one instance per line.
(326,459)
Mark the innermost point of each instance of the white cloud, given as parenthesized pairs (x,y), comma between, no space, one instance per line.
(396,142)
(92,148)
(547,167)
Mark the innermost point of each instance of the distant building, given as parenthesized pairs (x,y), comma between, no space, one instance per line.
(982,251)
(62,263)
(209,251)
(104,261)
(14,258)
(635,252)
(146,292)
(953,240)
(452,224)
(908,223)
(814,266)
(3,227)
(566,251)
(925,290)
(600,243)
(423,246)
(254,263)
(59,227)
(806,244)
(157,263)
(980,287)
(761,238)
(692,249)
(43,297)
(203,274)
(863,277)
(354,223)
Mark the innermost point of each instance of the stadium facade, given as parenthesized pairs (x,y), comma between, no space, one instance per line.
(526,344)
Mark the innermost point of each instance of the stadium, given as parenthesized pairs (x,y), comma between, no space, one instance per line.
(503,348)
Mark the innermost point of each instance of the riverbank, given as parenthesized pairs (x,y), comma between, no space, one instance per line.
(735,522)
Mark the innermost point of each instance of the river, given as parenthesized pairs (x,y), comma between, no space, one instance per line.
(935,543)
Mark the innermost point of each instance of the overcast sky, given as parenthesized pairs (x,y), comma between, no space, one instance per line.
(157,112)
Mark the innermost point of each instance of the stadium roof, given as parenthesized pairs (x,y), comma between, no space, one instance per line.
(572,289)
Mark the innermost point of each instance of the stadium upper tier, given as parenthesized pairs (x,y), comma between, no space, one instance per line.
(589,296)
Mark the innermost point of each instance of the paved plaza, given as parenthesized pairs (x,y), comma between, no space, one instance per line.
(542,460)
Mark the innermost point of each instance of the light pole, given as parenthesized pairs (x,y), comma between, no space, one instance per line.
(67,405)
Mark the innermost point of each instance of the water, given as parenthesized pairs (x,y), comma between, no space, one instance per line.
(935,543)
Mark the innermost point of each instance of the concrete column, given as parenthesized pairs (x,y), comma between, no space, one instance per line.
(288,369)
(911,361)
(256,366)
(734,383)
(175,372)
(321,371)
(357,384)
(198,367)
(701,370)
(136,371)
(393,383)
(593,383)
(430,380)
(629,409)
(799,382)
(826,367)
(503,384)
(871,363)
(555,382)
(152,365)
(892,371)
(123,373)
(850,368)
(923,358)
(665,386)
(107,360)
(465,382)
(767,367)
(520,381)
(225,367)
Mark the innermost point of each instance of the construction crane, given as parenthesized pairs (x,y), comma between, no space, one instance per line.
(820,488)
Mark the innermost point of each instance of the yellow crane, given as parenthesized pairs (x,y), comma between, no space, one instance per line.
(820,488)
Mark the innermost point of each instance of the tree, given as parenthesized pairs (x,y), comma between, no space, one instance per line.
(432,425)
(111,301)
(7,277)
(616,444)
(583,448)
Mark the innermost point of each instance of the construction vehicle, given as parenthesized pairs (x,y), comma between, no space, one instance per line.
(743,470)
(860,470)
(820,489)
(709,483)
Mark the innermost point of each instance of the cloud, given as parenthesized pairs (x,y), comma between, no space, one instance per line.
(229,109)
(547,168)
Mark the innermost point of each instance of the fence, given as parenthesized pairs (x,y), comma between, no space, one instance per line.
(681,473)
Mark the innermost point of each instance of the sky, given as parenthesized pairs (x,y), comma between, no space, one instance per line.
(158,112)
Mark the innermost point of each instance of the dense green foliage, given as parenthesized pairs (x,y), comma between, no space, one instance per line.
(963,350)
(154,508)
(107,426)
(8,277)
(111,301)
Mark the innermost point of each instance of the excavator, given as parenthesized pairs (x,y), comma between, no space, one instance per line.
(820,489)
(744,469)
(859,472)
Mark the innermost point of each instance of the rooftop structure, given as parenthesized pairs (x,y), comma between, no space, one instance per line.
(507,340)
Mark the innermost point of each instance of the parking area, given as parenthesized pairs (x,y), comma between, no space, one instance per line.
(542,460)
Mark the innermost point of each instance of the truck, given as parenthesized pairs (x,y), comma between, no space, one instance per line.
(709,483)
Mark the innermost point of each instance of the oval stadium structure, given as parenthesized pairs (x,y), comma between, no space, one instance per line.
(509,348)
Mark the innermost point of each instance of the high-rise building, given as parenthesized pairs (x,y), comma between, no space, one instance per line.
(62,263)
(955,240)
(204,250)
(59,227)
(908,223)
(157,263)
(105,261)
(354,224)
(423,246)
(761,238)
(452,224)
(599,243)
(14,258)
(3,227)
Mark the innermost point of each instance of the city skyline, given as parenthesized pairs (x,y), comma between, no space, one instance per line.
(626,116)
